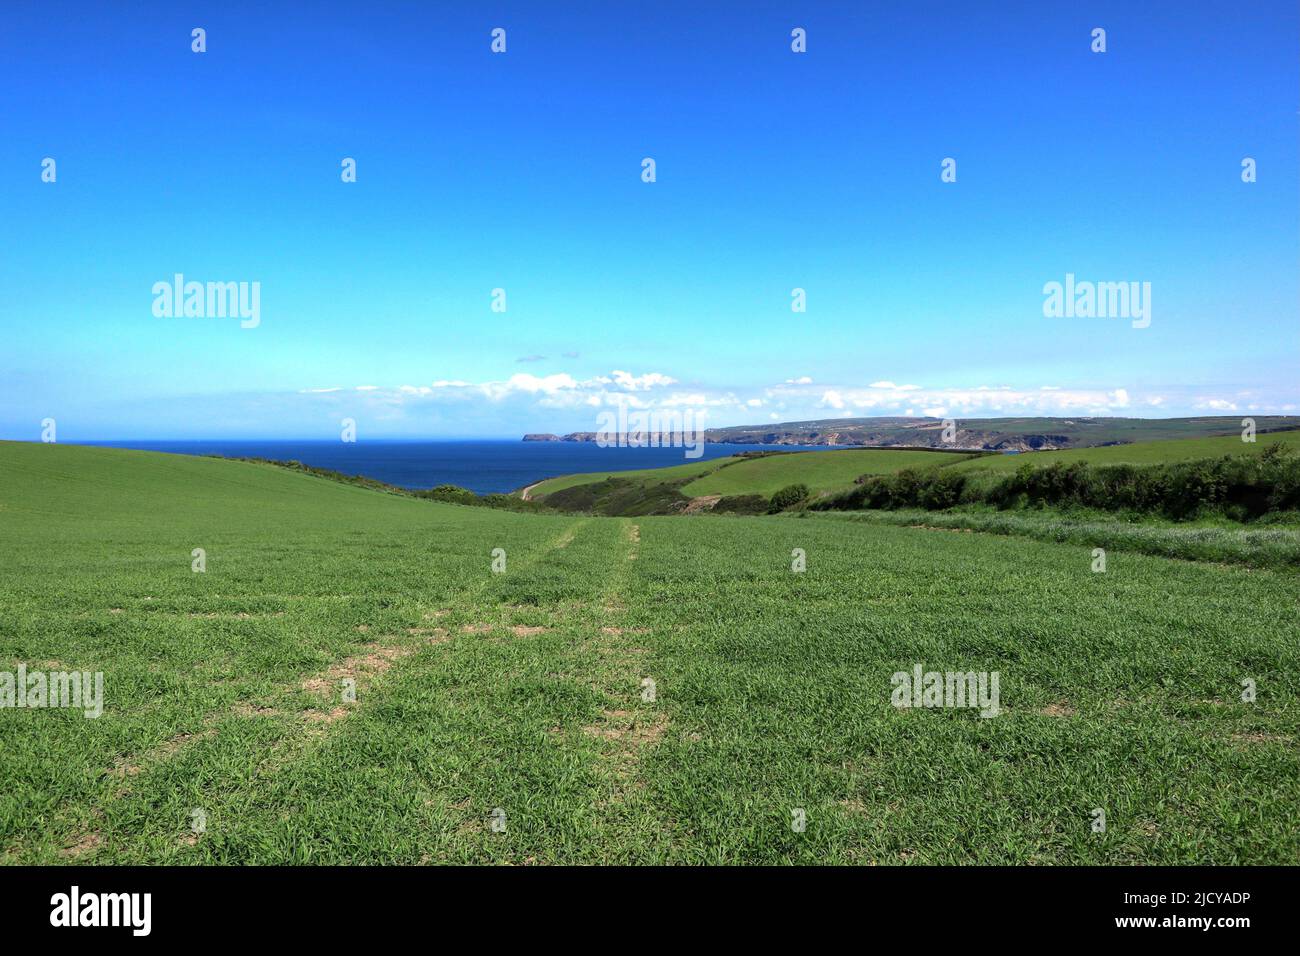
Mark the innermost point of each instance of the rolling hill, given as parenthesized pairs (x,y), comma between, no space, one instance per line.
(975,434)
(349,681)
(665,490)
(819,470)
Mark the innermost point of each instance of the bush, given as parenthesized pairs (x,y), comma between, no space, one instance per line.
(451,493)
(741,505)
(1244,487)
(788,497)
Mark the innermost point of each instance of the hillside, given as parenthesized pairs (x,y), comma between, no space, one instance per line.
(819,470)
(520,696)
(671,490)
(974,434)
(1138,453)
(671,473)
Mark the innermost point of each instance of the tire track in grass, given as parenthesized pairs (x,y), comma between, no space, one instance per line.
(301,710)
(456,714)
(493,722)
(632,721)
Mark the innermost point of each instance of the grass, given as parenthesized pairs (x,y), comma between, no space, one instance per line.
(1263,546)
(1138,453)
(523,691)
(819,470)
(836,470)
(670,473)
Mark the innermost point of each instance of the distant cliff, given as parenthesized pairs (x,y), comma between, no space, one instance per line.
(971,434)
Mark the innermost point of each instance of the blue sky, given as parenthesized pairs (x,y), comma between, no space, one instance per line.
(522,171)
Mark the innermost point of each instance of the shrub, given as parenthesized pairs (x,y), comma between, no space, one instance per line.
(788,497)
(1244,486)
(450,493)
(741,505)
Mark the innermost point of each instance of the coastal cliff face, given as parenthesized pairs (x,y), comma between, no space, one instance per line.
(988,434)
(964,440)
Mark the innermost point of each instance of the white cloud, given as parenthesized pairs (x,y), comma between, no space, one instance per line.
(832,399)
(634,383)
(561,400)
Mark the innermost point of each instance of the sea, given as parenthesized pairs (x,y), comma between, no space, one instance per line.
(481,466)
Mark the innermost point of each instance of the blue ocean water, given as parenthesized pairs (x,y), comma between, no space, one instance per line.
(481,466)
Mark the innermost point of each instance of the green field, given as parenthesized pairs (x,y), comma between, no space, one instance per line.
(819,470)
(1138,453)
(524,692)
(657,475)
(834,470)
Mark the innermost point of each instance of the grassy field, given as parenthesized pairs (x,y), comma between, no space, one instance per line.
(835,470)
(1266,545)
(689,469)
(504,717)
(920,432)
(1138,453)
(819,470)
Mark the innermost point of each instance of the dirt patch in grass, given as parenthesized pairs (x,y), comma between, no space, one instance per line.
(435,632)
(129,768)
(376,659)
(249,709)
(631,729)
(1058,709)
(84,844)
(565,539)
(233,615)
(1260,738)
(702,503)
(524,630)
(326,716)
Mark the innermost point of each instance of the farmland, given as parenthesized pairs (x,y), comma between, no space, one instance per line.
(755,478)
(1138,453)
(683,472)
(819,470)
(505,717)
